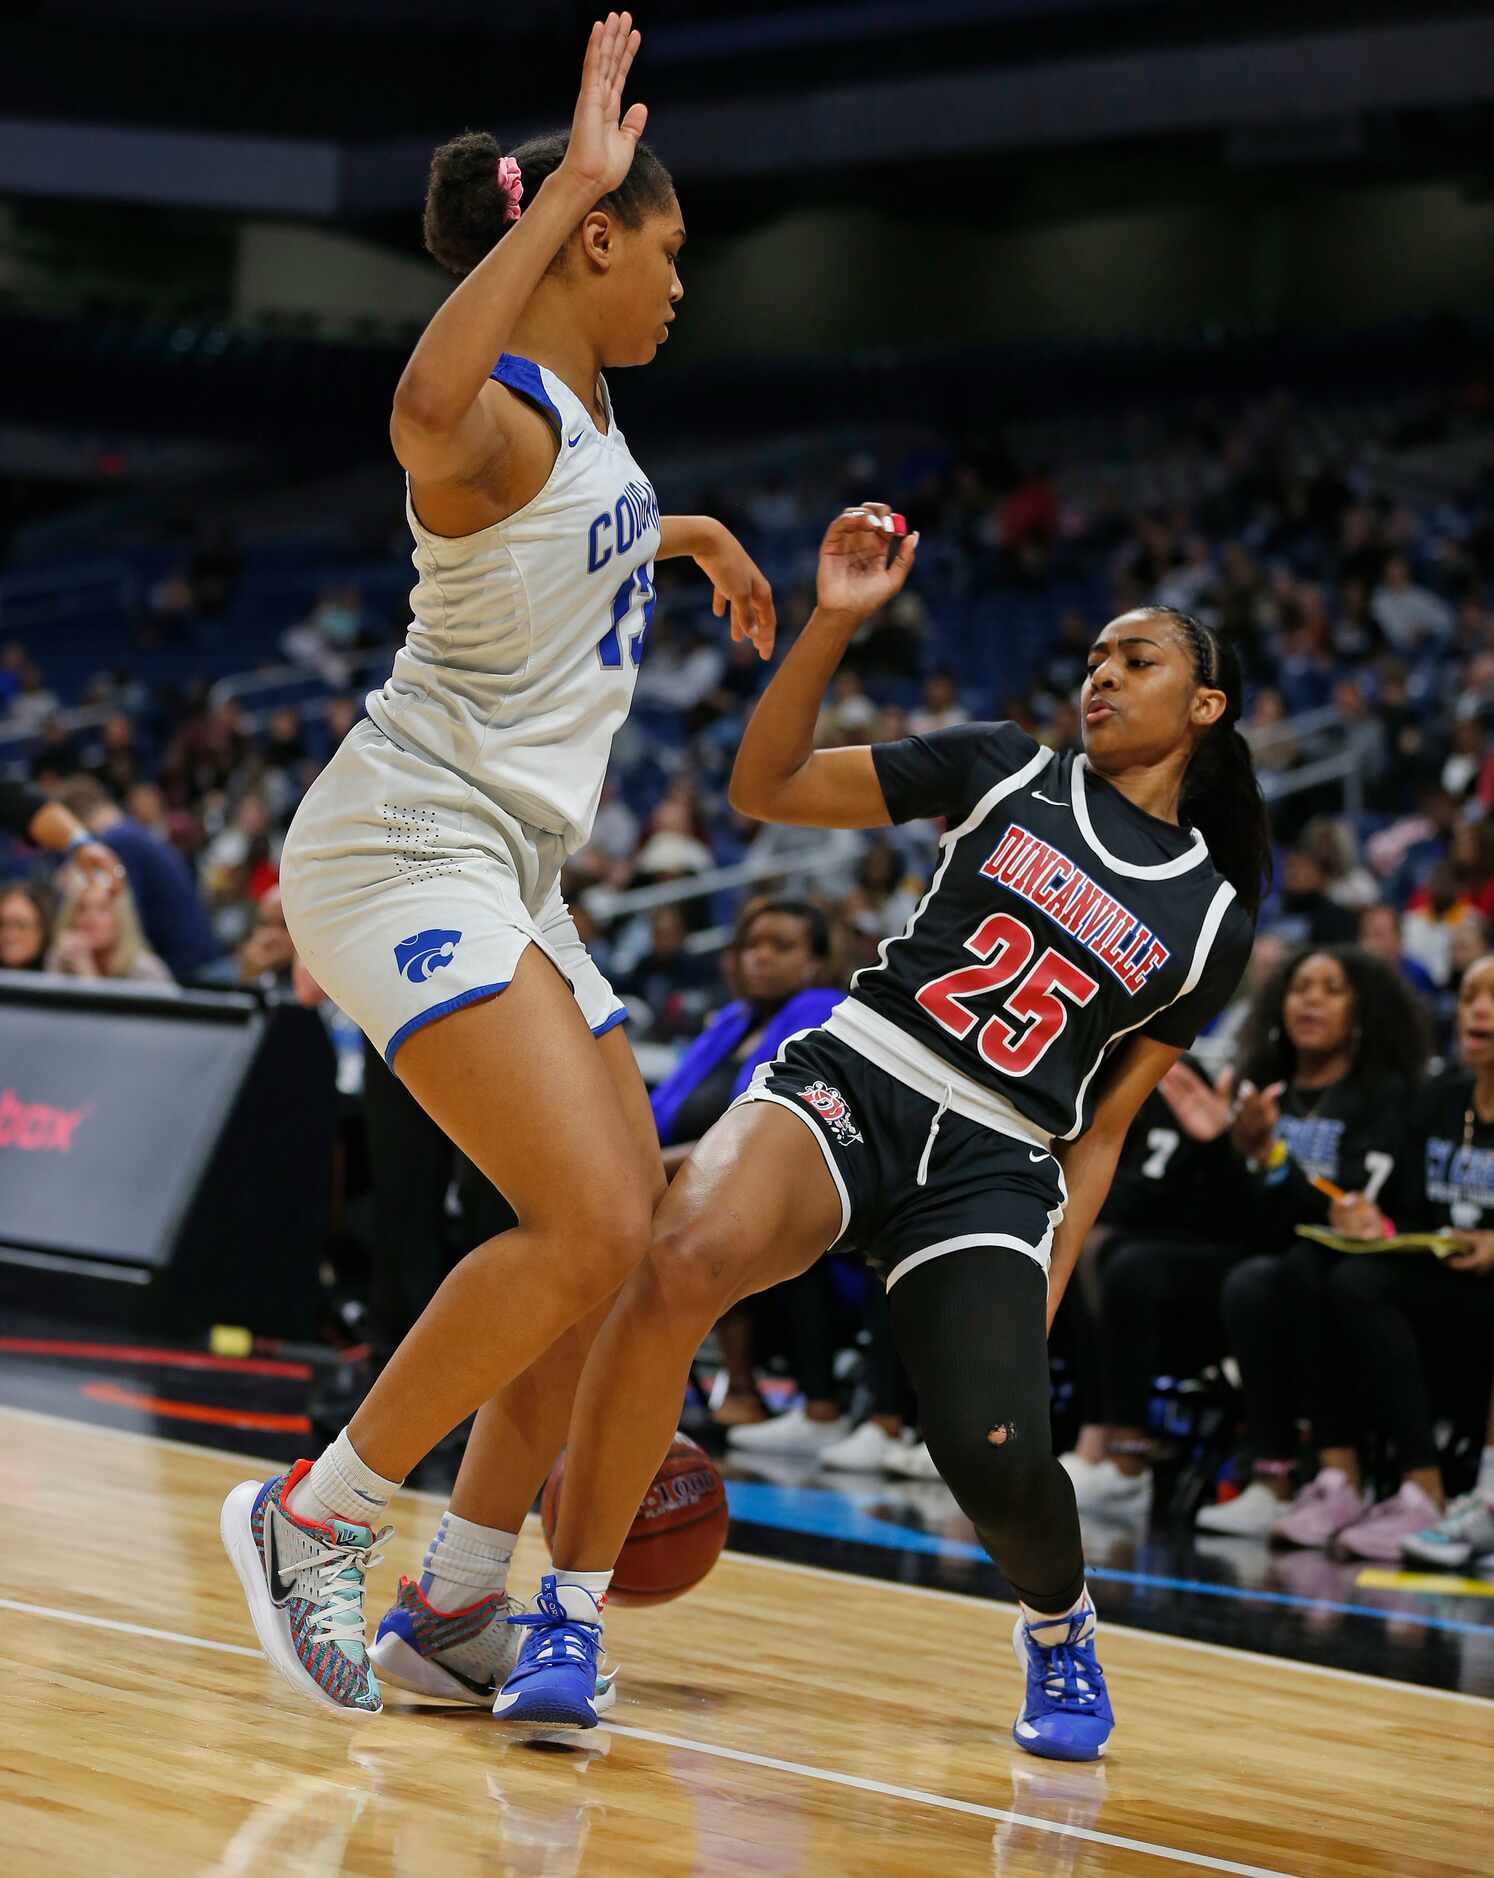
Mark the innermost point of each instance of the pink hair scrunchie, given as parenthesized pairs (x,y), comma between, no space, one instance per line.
(511,182)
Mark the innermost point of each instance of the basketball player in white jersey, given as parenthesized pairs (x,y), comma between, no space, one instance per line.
(421,873)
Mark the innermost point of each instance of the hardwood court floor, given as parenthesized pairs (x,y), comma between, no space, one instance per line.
(777,1720)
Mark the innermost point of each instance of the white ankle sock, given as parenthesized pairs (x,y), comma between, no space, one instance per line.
(582,1594)
(1048,1628)
(465,1562)
(339,1486)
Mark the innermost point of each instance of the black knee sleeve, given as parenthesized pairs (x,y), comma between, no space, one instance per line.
(970,1327)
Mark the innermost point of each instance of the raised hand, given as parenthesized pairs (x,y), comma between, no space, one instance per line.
(600,152)
(1256,1113)
(1201,1111)
(98,865)
(854,573)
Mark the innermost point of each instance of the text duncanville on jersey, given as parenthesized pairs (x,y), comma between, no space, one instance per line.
(1058,887)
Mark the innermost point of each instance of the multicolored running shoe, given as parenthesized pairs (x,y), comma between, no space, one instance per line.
(1464,1535)
(304,1585)
(460,1656)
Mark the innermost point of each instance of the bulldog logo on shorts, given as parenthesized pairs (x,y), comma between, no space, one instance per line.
(425,952)
(830,1105)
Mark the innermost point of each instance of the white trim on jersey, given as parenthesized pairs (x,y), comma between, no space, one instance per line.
(909,1060)
(1207,934)
(1007,786)
(772,1095)
(1039,1253)
(1162,870)
(755,1092)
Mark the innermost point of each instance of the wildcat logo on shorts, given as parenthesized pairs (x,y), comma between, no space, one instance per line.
(425,952)
(830,1105)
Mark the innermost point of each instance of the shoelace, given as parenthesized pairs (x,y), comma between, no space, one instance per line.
(1072,1679)
(338,1573)
(569,1640)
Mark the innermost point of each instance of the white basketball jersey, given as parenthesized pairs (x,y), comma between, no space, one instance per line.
(520,662)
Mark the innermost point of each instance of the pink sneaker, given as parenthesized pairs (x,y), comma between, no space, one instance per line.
(1323,1507)
(1379,1534)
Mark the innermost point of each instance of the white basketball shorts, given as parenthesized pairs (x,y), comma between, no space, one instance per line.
(409,894)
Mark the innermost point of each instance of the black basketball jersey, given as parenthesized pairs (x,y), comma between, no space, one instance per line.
(1061,919)
(1168,1185)
(1351,1133)
(1445,1176)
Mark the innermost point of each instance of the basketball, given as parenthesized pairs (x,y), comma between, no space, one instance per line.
(679,1531)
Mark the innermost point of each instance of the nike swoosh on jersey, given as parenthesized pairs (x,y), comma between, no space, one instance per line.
(1052,801)
(1041,1155)
(573,441)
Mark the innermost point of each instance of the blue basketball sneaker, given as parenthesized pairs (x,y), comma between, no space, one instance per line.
(557,1681)
(1066,1713)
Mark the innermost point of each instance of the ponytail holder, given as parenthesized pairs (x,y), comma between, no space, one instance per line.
(511,184)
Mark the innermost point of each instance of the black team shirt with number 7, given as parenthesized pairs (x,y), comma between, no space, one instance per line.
(1061,920)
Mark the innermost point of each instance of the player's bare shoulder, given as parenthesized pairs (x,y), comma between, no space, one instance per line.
(510,452)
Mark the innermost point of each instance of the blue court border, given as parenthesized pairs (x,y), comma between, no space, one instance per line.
(826,1515)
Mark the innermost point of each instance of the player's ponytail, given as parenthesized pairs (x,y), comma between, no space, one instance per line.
(468,206)
(1221,792)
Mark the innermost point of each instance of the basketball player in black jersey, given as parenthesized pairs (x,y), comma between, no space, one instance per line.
(959,1116)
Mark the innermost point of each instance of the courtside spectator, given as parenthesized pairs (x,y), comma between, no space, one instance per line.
(25,927)
(1327,1064)
(173,918)
(98,935)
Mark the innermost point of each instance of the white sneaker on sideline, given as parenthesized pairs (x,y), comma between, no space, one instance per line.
(1250,1515)
(866,1450)
(1076,1467)
(1102,1487)
(912,1460)
(790,1433)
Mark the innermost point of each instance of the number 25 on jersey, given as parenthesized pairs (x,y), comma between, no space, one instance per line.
(1040,1002)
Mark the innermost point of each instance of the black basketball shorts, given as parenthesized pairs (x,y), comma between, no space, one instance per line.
(914,1183)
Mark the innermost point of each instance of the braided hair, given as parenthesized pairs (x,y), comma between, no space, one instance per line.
(467,211)
(1221,793)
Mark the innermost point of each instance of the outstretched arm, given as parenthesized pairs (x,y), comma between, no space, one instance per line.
(779,776)
(738,580)
(442,427)
(33,816)
(1089,1162)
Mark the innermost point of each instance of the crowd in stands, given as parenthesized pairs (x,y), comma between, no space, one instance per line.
(1357,582)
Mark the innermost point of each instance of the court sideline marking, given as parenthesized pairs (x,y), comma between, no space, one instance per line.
(1260,1658)
(257,1463)
(825,1776)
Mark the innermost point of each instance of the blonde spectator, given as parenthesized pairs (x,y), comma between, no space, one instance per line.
(1346,880)
(98,935)
(1274,750)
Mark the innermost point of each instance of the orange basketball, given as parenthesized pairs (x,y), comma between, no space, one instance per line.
(678,1533)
